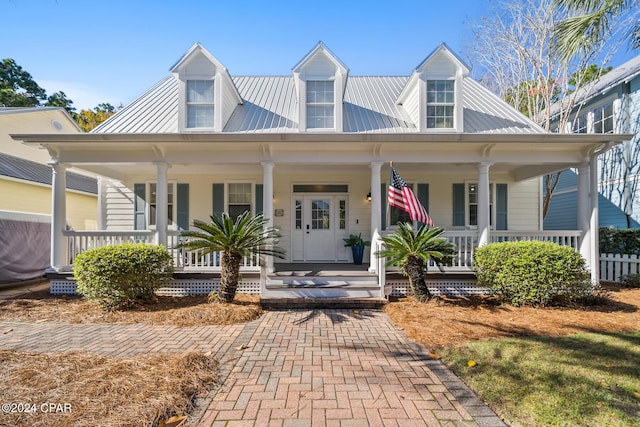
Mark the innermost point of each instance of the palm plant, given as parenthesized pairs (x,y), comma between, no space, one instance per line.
(246,236)
(592,23)
(411,251)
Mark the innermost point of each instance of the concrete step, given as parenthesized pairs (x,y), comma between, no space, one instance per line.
(281,303)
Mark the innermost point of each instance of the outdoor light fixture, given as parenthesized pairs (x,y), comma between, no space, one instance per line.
(369,196)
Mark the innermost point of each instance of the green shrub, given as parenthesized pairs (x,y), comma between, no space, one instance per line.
(619,241)
(119,275)
(631,281)
(532,273)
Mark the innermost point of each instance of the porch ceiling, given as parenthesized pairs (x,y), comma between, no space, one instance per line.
(520,155)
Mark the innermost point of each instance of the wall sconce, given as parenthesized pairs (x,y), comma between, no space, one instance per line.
(369,196)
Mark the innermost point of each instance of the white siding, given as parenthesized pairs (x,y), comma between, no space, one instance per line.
(118,203)
(440,67)
(199,66)
(412,105)
(524,205)
(320,67)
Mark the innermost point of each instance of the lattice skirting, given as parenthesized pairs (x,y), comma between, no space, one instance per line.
(458,288)
(186,287)
(179,288)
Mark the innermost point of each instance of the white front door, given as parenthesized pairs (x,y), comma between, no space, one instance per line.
(320,224)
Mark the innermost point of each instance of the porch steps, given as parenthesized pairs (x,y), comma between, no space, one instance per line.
(338,291)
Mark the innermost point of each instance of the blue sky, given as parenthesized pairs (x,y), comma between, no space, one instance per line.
(112,51)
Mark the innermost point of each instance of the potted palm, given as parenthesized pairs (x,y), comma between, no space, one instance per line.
(357,245)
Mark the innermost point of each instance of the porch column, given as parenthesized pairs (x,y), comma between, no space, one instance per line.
(484,213)
(267,200)
(162,198)
(584,211)
(376,212)
(58,216)
(594,222)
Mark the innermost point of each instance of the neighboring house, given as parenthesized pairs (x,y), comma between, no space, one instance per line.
(25,186)
(564,206)
(25,177)
(311,150)
(609,105)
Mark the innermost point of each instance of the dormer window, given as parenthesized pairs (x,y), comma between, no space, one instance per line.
(200,103)
(320,104)
(440,104)
(208,97)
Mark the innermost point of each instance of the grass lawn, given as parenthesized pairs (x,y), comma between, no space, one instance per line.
(583,379)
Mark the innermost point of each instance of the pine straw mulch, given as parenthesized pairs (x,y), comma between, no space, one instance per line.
(101,391)
(178,311)
(123,391)
(450,322)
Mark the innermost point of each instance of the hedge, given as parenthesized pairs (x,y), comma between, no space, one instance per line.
(532,272)
(620,241)
(120,275)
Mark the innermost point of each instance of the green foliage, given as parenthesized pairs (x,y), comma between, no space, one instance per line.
(532,273)
(620,241)
(89,119)
(59,99)
(411,251)
(17,87)
(246,236)
(356,240)
(119,275)
(631,280)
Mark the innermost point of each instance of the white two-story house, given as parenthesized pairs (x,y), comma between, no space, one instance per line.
(311,150)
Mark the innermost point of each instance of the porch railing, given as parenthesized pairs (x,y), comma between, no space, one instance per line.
(465,242)
(80,241)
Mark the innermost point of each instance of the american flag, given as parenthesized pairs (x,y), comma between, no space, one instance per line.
(401,196)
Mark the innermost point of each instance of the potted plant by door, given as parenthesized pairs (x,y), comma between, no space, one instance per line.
(357,245)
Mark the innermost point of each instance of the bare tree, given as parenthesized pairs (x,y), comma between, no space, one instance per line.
(513,50)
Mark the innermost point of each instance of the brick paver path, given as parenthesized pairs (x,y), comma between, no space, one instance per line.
(339,368)
(291,368)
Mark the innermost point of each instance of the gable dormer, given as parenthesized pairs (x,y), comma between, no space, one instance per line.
(320,80)
(207,95)
(433,94)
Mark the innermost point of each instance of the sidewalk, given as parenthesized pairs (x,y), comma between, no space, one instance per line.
(291,368)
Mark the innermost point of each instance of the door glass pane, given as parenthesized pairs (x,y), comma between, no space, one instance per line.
(298,214)
(320,214)
(343,214)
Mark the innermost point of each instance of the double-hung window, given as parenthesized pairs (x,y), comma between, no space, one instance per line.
(603,119)
(200,104)
(440,104)
(152,198)
(472,204)
(320,104)
(240,197)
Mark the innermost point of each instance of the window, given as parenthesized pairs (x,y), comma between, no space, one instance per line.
(320,105)
(200,104)
(603,119)
(152,197)
(580,124)
(472,203)
(240,198)
(440,103)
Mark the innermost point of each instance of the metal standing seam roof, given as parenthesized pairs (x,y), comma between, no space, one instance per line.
(270,106)
(15,167)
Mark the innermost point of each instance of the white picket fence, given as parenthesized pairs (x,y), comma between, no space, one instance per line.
(613,267)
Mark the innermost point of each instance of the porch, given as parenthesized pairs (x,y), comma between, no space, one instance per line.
(287,282)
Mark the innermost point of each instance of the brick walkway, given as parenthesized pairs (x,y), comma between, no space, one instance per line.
(338,368)
(291,368)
